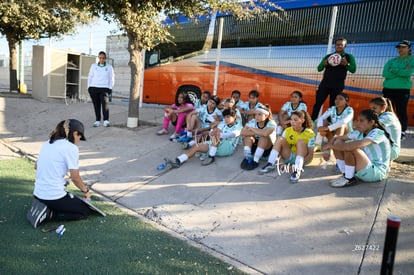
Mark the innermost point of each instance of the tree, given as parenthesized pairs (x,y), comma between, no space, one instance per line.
(142,23)
(27,19)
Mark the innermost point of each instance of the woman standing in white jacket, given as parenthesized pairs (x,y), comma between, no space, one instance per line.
(101,79)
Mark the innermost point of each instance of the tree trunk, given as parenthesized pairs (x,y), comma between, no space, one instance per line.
(12,64)
(135,63)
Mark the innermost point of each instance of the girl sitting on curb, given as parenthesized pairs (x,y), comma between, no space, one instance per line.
(295,146)
(366,152)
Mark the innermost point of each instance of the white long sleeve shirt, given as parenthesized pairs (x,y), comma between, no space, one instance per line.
(101,76)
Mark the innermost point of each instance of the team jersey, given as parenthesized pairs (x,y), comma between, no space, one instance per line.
(239,103)
(292,137)
(246,107)
(270,123)
(198,105)
(379,151)
(392,125)
(238,116)
(288,107)
(206,117)
(338,119)
(235,128)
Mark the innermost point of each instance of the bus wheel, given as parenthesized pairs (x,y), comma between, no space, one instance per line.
(193,92)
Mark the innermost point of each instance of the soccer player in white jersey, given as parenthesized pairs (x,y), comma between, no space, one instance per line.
(295,104)
(341,117)
(259,136)
(366,151)
(389,121)
(223,141)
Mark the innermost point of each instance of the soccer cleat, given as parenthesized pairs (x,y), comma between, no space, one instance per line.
(37,213)
(294,177)
(184,139)
(203,156)
(96,124)
(186,145)
(174,164)
(267,168)
(106,123)
(174,137)
(209,160)
(251,166)
(342,182)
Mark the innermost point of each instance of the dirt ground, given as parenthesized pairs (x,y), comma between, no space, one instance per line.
(402,170)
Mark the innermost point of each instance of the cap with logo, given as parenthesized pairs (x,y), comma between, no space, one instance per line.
(404,43)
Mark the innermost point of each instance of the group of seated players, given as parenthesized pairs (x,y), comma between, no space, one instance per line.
(363,146)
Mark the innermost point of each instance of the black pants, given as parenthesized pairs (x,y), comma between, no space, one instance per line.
(69,207)
(100,98)
(321,94)
(399,99)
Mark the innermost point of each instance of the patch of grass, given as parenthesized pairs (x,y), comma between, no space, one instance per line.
(115,244)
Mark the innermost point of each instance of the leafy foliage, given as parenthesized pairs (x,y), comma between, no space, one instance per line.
(142,22)
(27,19)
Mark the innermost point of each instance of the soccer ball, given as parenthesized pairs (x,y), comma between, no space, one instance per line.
(334,59)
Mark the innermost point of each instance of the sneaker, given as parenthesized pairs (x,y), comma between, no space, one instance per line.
(203,156)
(106,123)
(267,168)
(342,182)
(174,137)
(186,145)
(174,164)
(97,124)
(197,154)
(251,166)
(209,160)
(37,213)
(184,139)
(294,177)
(403,136)
(162,132)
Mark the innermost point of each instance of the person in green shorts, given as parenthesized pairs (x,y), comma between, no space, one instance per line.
(366,151)
(389,121)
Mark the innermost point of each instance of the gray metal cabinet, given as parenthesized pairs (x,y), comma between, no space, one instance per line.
(60,74)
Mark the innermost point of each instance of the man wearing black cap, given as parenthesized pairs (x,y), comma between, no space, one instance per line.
(397,83)
(57,156)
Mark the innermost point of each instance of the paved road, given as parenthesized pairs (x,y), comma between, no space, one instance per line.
(260,224)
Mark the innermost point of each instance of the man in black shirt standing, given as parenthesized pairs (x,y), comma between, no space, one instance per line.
(333,80)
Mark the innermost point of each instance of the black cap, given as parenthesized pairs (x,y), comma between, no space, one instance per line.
(76,125)
(403,43)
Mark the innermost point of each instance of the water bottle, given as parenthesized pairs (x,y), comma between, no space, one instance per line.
(60,230)
(161,166)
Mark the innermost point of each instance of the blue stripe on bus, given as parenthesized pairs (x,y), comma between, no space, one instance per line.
(287,77)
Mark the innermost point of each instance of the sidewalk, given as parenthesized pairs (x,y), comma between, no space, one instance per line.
(260,224)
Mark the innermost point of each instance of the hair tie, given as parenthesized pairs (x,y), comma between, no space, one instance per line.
(66,128)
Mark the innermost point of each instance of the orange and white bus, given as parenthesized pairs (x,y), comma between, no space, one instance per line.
(278,54)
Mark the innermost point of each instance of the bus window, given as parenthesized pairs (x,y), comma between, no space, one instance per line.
(152,58)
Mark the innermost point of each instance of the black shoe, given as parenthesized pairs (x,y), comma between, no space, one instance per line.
(37,213)
(251,166)
(174,164)
(209,160)
(243,164)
